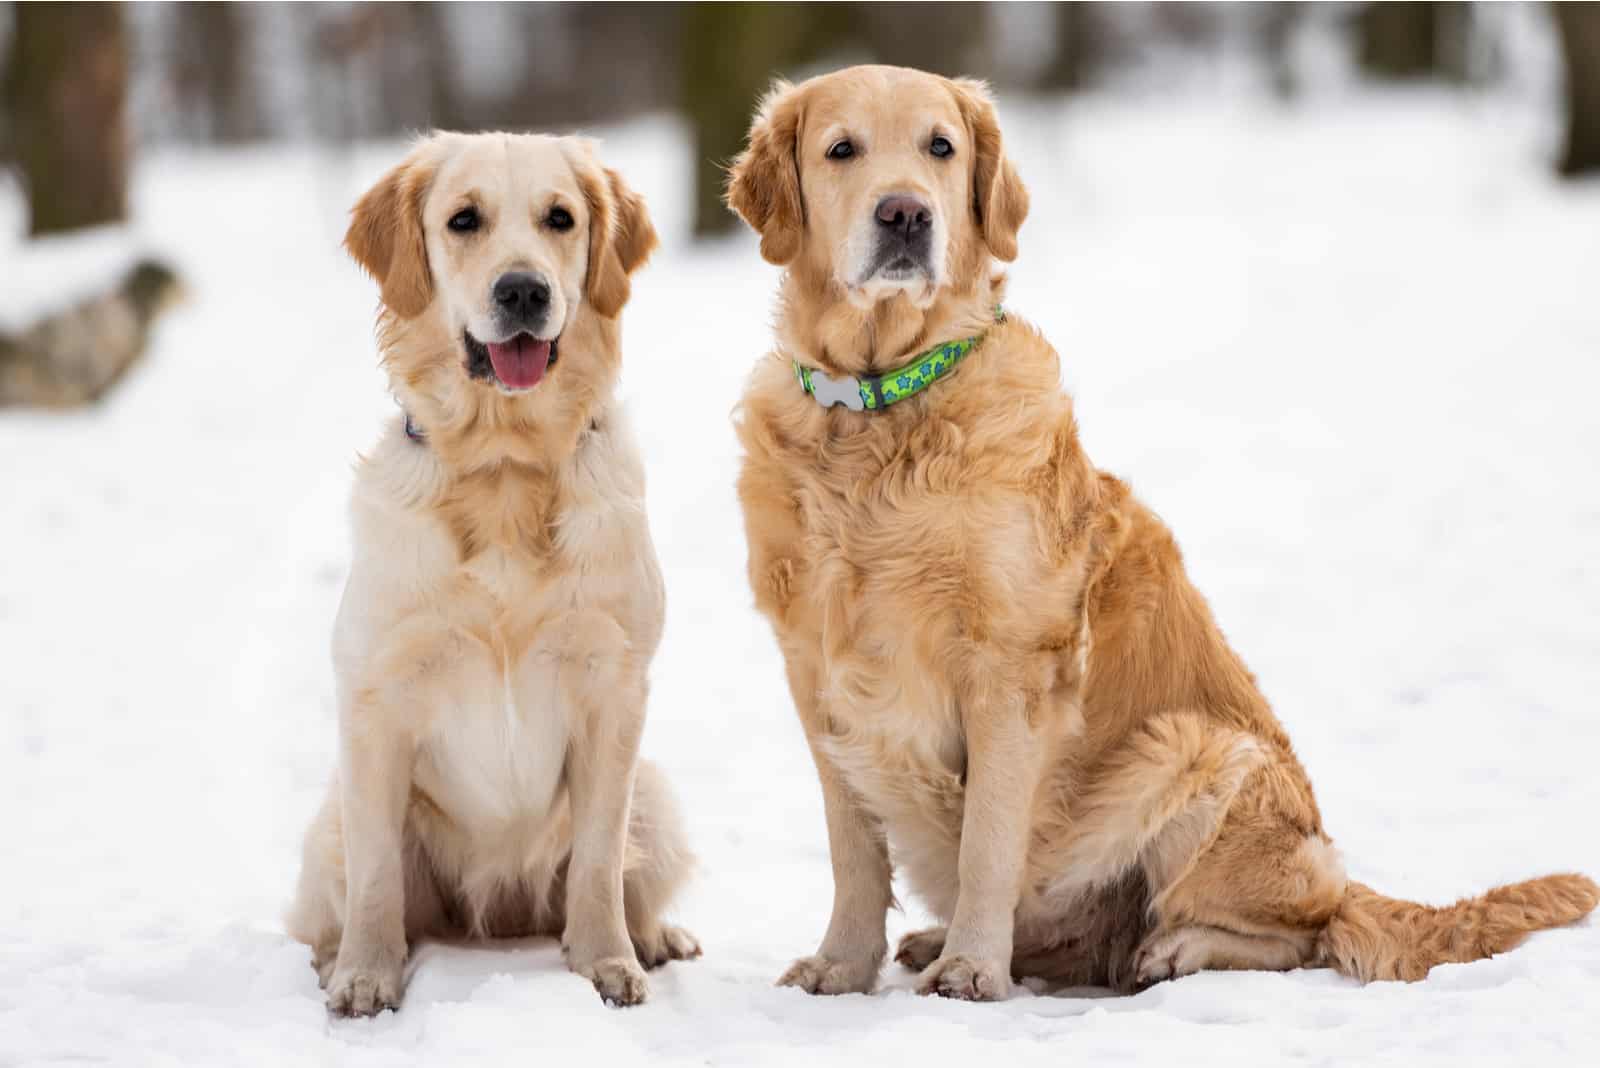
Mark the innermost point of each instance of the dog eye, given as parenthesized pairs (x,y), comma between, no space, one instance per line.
(842,149)
(941,147)
(559,219)
(464,221)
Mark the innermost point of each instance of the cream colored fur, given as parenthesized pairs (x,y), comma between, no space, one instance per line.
(504,602)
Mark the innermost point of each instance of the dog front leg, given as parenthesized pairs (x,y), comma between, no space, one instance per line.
(853,948)
(1002,774)
(375,785)
(600,768)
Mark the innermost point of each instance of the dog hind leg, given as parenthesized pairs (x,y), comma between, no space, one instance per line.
(655,867)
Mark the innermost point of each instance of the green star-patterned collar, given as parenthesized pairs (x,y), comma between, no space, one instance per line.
(870,394)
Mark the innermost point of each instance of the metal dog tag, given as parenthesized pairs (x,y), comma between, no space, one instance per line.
(831,391)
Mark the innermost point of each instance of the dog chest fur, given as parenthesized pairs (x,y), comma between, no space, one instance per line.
(918,608)
(491,653)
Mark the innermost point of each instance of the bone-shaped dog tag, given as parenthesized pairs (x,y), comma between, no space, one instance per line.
(831,391)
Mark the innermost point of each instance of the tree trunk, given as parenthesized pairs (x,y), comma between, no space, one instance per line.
(1078,46)
(1407,39)
(66,80)
(729,54)
(1275,30)
(945,38)
(216,72)
(438,68)
(1579,24)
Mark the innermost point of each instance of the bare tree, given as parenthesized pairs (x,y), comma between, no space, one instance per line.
(946,38)
(729,53)
(214,75)
(1274,28)
(1080,42)
(1409,39)
(1580,42)
(65,86)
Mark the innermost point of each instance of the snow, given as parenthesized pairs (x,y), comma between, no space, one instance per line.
(1347,350)
(47,275)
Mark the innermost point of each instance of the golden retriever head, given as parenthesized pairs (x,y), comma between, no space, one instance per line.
(496,247)
(882,180)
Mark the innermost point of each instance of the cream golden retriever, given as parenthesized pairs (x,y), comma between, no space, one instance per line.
(504,600)
(1007,681)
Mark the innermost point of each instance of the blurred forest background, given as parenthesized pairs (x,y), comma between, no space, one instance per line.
(85,86)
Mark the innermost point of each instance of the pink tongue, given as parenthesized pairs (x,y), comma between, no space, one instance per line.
(520,362)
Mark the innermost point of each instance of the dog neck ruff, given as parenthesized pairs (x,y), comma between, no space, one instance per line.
(871,394)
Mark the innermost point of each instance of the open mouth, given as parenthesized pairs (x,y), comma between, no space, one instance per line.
(519,362)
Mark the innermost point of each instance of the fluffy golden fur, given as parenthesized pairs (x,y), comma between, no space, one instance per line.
(1005,676)
(504,600)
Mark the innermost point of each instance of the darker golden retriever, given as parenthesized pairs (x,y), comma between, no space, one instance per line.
(1004,674)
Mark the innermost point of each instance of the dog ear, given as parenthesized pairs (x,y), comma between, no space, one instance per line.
(764,182)
(385,236)
(999,199)
(621,237)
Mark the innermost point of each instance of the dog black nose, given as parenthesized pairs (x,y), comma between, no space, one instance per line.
(908,215)
(521,294)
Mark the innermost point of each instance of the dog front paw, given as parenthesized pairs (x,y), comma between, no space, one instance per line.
(822,975)
(966,978)
(364,991)
(619,981)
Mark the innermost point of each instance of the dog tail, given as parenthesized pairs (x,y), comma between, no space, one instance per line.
(1376,937)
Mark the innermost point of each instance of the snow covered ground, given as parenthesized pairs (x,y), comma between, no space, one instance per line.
(1350,352)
